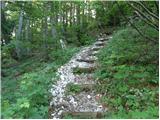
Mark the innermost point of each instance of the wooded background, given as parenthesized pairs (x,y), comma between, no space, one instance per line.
(37,37)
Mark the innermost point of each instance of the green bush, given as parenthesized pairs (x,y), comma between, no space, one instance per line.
(86,39)
(32,96)
(30,87)
(61,56)
(6,54)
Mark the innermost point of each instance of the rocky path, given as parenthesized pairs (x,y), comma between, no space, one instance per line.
(86,102)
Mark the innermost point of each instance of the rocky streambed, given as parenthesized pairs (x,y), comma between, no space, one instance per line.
(84,101)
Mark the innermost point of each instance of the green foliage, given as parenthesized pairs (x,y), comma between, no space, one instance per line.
(108,14)
(6,53)
(86,39)
(31,85)
(149,113)
(73,88)
(32,96)
(129,75)
(61,56)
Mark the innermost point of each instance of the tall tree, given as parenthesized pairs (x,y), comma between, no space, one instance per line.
(78,22)
(18,34)
(53,20)
(45,29)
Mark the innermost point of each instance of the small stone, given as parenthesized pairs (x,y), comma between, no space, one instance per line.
(60,100)
(74,104)
(54,93)
(64,103)
(53,114)
(71,100)
(60,112)
(88,96)
(100,106)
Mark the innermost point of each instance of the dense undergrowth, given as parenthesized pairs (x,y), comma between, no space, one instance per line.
(25,86)
(128,74)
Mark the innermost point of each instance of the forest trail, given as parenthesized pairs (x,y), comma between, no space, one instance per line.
(85,103)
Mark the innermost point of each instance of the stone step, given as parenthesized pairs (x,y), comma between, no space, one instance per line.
(88,59)
(83,115)
(102,39)
(96,48)
(83,102)
(99,43)
(94,53)
(87,69)
(85,65)
(84,79)
(102,35)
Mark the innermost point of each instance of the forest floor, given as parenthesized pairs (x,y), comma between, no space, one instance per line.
(74,95)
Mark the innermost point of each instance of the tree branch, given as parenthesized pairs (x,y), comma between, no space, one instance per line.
(157,6)
(133,24)
(150,24)
(142,15)
(147,10)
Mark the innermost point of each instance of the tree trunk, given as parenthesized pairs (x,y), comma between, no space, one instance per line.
(18,35)
(62,20)
(27,29)
(53,19)
(82,18)
(74,13)
(45,33)
(20,25)
(78,22)
(3,20)
(71,14)
(27,34)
